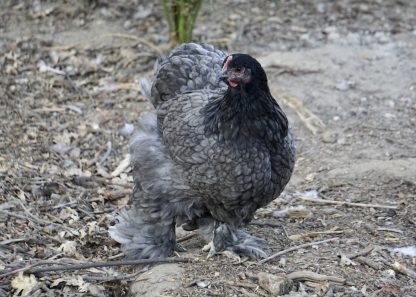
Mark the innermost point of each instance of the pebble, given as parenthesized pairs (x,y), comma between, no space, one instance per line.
(142,13)
(61,148)
(390,103)
(389,273)
(344,86)
(328,137)
(127,24)
(342,141)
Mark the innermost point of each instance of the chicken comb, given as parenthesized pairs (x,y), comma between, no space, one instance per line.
(226,62)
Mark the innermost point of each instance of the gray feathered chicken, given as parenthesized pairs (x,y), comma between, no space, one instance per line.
(216,149)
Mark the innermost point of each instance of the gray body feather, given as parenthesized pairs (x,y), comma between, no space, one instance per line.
(191,165)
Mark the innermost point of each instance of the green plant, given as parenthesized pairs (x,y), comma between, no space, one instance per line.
(181,16)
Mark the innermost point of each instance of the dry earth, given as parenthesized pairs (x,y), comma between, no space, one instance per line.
(345,72)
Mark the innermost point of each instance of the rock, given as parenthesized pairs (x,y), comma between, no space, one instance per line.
(127,24)
(344,85)
(274,284)
(157,280)
(142,13)
(328,137)
(60,148)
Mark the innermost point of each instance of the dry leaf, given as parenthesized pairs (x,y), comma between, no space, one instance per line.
(25,284)
(69,248)
(345,261)
(122,166)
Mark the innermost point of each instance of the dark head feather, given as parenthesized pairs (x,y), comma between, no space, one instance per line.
(247,108)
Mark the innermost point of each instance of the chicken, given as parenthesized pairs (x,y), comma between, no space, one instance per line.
(217,148)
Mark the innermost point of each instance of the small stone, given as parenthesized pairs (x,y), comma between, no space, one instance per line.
(60,148)
(328,137)
(388,115)
(344,85)
(142,13)
(274,284)
(342,141)
(321,7)
(234,17)
(389,273)
(75,152)
(127,24)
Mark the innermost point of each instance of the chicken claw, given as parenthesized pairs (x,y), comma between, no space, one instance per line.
(210,248)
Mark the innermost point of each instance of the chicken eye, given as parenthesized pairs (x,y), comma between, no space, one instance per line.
(239,69)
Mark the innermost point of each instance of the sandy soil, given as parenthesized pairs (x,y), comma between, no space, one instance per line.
(344,71)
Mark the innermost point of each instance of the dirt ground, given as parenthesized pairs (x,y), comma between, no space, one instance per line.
(345,73)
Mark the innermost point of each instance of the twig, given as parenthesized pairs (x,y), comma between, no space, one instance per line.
(236,284)
(304,275)
(322,201)
(135,38)
(35,218)
(64,204)
(120,35)
(390,230)
(27,268)
(120,255)
(71,267)
(225,282)
(303,236)
(266,223)
(13,249)
(111,278)
(124,164)
(107,153)
(369,263)
(297,248)
(49,109)
(11,214)
(403,269)
(189,236)
(7,241)
(246,293)
(364,252)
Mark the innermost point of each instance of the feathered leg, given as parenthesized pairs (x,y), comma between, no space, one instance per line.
(224,237)
(143,239)
(147,229)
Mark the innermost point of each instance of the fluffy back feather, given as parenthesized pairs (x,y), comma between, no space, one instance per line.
(190,67)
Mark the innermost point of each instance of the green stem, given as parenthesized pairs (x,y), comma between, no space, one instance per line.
(169,13)
(192,17)
(181,16)
(182,21)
